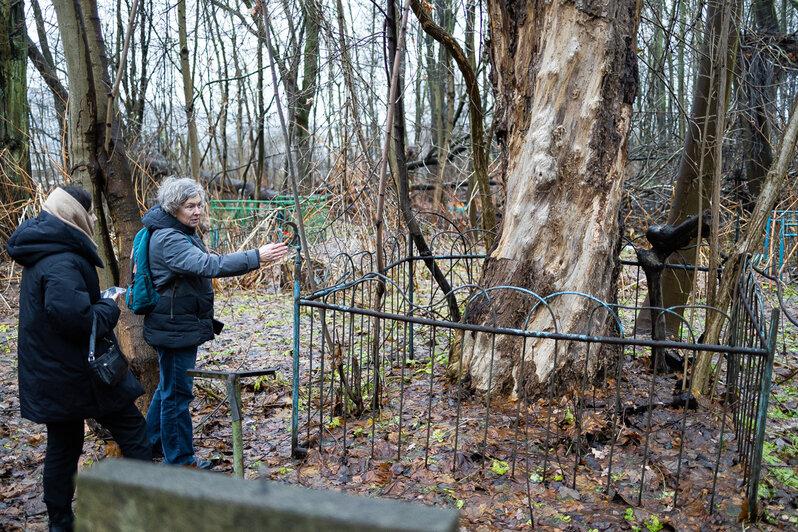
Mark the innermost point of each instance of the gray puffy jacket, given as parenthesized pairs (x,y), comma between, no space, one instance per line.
(182,270)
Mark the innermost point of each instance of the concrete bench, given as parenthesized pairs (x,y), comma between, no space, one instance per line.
(130,496)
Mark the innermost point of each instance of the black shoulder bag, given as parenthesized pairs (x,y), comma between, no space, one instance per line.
(111,366)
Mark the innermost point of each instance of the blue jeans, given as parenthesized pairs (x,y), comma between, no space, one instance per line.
(168,419)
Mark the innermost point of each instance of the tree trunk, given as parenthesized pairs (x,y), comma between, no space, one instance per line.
(748,244)
(471,204)
(188,91)
(261,124)
(759,84)
(304,98)
(106,174)
(693,187)
(136,83)
(14,146)
(351,95)
(435,81)
(399,167)
(44,63)
(478,148)
(446,97)
(565,77)
(48,72)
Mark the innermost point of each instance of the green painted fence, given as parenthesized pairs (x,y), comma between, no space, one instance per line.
(233,221)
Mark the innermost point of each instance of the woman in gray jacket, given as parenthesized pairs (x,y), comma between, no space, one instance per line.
(182,270)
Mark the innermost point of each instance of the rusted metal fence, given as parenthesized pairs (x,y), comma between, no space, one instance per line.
(379,363)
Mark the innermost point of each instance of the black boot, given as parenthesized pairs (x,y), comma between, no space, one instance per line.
(62,521)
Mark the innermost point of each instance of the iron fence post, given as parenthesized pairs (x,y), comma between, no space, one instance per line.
(761,421)
(412,302)
(295,368)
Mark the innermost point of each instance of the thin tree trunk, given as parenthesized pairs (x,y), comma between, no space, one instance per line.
(471,204)
(138,82)
(261,120)
(445,91)
(188,91)
(43,61)
(306,95)
(352,97)
(748,244)
(399,164)
(759,84)
(479,154)
(694,182)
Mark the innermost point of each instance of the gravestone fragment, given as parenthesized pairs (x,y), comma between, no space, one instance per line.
(124,495)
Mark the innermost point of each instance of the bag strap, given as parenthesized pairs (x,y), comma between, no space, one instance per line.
(91,338)
(110,338)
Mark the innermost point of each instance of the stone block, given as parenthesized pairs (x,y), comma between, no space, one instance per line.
(124,495)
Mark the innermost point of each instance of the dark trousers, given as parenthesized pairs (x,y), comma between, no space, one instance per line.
(65,444)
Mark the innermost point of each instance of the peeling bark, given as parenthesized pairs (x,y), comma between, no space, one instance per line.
(565,76)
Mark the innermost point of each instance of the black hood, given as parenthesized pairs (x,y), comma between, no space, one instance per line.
(157,218)
(45,235)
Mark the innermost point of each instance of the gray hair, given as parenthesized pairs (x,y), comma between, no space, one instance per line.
(174,191)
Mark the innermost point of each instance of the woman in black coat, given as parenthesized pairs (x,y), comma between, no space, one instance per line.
(59,297)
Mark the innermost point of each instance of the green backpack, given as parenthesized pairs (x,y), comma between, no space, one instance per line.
(141,295)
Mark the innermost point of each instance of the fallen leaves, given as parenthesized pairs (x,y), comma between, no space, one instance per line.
(490,481)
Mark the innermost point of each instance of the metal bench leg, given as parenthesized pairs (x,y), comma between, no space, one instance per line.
(233,384)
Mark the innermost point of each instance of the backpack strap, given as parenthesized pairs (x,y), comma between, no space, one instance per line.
(133,255)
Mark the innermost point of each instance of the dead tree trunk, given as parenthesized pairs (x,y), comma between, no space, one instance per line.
(750,241)
(760,79)
(565,77)
(399,166)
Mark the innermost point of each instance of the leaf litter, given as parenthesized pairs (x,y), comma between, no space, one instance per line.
(491,491)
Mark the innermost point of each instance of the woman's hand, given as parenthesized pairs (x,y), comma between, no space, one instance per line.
(272,252)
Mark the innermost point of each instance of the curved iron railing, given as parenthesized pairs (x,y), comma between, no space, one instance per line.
(364,373)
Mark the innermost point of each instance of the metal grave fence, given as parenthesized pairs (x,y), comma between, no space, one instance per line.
(781,239)
(369,374)
(233,222)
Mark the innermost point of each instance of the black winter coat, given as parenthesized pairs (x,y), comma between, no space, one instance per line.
(59,296)
(182,270)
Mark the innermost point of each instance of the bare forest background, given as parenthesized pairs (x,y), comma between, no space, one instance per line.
(333,72)
(555,132)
